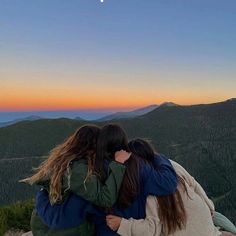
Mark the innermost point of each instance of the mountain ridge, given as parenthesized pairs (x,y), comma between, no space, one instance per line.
(129,114)
(28,118)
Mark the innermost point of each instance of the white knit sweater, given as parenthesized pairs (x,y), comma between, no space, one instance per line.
(198,208)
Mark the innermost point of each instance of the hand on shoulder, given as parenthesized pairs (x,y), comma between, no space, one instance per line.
(122,156)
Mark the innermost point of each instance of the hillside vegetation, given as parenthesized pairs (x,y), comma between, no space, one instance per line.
(202,138)
(16,216)
(34,138)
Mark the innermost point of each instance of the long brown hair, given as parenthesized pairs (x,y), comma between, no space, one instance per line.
(171,209)
(80,145)
(113,138)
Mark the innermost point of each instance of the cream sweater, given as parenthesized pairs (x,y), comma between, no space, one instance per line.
(198,208)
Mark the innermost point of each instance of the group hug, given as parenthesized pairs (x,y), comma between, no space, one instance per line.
(100,183)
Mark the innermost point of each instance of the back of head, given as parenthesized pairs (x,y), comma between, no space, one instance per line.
(83,141)
(142,149)
(80,145)
(171,209)
(112,138)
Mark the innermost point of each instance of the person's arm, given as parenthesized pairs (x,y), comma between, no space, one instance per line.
(92,189)
(150,226)
(161,181)
(194,184)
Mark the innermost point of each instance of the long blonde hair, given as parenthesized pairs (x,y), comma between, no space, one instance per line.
(80,145)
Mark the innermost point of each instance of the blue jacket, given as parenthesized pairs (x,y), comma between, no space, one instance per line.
(159,182)
(72,212)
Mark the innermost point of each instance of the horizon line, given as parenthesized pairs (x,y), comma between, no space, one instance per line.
(95,109)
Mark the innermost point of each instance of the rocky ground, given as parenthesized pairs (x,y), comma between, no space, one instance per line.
(17,233)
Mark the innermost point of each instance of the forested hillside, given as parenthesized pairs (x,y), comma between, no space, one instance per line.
(202,138)
(34,138)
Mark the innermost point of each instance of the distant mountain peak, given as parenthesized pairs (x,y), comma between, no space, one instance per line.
(146,108)
(168,104)
(231,99)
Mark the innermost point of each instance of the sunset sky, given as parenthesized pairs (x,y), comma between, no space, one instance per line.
(117,55)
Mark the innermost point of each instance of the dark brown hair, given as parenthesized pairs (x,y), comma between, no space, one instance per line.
(113,138)
(171,209)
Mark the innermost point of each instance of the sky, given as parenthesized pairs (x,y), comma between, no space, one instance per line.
(115,55)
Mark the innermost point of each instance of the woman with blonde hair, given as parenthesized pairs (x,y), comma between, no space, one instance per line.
(68,175)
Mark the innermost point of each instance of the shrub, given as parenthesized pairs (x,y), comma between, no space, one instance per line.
(16,216)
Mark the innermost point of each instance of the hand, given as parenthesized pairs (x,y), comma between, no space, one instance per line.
(122,156)
(113,222)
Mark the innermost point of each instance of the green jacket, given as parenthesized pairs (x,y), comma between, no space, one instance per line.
(90,188)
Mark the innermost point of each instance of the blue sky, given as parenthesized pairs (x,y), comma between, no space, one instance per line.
(116,54)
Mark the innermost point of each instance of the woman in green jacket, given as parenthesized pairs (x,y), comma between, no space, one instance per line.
(70,169)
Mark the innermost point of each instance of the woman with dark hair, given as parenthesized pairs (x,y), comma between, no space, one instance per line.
(188,211)
(68,176)
(140,179)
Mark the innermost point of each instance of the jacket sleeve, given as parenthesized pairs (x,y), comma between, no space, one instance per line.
(150,226)
(92,189)
(161,181)
(194,184)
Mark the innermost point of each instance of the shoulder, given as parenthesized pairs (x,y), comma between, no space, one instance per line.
(176,165)
(160,159)
(77,163)
(77,167)
(179,169)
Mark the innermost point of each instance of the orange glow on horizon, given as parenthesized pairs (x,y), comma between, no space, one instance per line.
(121,105)
(26,97)
(34,104)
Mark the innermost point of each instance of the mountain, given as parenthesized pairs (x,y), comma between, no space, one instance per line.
(35,138)
(129,114)
(202,138)
(231,99)
(168,104)
(30,118)
(89,114)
